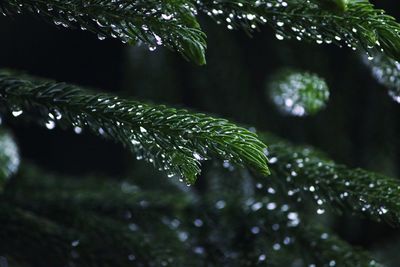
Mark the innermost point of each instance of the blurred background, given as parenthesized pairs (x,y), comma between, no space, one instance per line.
(359,127)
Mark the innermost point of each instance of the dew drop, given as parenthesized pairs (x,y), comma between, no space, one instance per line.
(279,37)
(50,125)
(17,113)
(77,130)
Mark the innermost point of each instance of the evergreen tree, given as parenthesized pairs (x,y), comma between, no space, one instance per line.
(260,201)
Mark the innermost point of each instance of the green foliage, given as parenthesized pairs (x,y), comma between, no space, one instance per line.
(335,5)
(306,171)
(298,93)
(175,141)
(296,238)
(9,157)
(97,222)
(171,23)
(358,26)
(326,245)
(68,220)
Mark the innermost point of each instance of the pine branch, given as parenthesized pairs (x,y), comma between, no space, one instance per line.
(141,223)
(170,23)
(90,193)
(354,23)
(307,171)
(173,23)
(175,141)
(269,213)
(330,250)
(36,234)
(65,234)
(9,157)
(90,222)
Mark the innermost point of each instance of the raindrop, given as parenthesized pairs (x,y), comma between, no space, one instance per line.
(256,206)
(198,223)
(320,211)
(75,243)
(271,206)
(279,36)
(220,204)
(142,130)
(17,113)
(101,37)
(276,246)
(50,124)
(77,130)
(262,257)
(255,230)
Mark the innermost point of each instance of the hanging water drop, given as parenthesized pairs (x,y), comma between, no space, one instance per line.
(279,37)
(50,124)
(77,130)
(17,113)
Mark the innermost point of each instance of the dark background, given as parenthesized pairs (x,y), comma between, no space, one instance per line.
(359,127)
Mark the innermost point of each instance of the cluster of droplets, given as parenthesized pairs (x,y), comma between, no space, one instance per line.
(234,14)
(236,207)
(273,217)
(330,184)
(174,141)
(290,21)
(133,22)
(298,94)
(387,72)
(132,124)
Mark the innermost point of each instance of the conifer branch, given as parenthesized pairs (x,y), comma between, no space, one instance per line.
(330,250)
(37,234)
(171,23)
(150,227)
(120,227)
(306,171)
(271,214)
(67,234)
(355,23)
(175,141)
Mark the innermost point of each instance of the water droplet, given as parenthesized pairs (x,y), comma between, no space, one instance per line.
(262,257)
(271,206)
(320,211)
(198,223)
(101,37)
(142,130)
(279,36)
(17,113)
(276,246)
(220,204)
(50,124)
(77,130)
(256,206)
(255,230)
(75,243)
